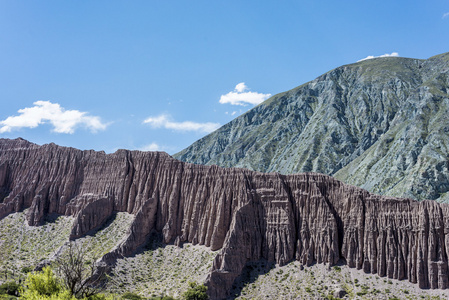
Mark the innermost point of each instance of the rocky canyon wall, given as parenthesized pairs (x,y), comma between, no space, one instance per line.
(308,217)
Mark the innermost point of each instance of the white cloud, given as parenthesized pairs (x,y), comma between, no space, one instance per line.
(240,97)
(392,54)
(151,147)
(241,87)
(446,15)
(64,121)
(164,121)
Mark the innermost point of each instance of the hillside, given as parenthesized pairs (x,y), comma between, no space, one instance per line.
(380,124)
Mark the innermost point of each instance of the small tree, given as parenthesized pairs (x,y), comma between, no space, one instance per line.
(77,272)
(196,292)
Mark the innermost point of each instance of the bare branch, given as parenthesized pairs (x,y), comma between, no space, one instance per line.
(77,272)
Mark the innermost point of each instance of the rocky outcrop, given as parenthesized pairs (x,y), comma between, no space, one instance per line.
(309,217)
(136,235)
(379,124)
(94,213)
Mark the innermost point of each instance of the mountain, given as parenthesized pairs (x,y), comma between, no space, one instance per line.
(380,124)
(248,216)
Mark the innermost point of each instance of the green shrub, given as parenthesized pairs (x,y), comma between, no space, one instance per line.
(26,270)
(41,284)
(196,292)
(7,297)
(100,297)
(131,296)
(10,288)
(45,286)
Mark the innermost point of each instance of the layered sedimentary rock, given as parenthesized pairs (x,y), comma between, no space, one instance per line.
(308,217)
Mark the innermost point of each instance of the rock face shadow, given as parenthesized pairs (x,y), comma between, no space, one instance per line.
(249,275)
(4,192)
(154,242)
(103,226)
(51,218)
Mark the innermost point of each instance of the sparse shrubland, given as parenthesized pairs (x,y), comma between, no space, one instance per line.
(164,271)
(23,247)
(293,281)
(161,270)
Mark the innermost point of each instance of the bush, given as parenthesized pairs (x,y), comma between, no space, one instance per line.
(7,297)
(10,288)
(26,270)
(45,286)
(196,292)
(100,296)
(131,296)
(337,268)
(41,284)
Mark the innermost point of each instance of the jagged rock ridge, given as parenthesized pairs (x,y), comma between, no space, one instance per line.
(379,124)
(309,217)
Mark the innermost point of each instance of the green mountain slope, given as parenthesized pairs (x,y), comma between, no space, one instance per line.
(381,124)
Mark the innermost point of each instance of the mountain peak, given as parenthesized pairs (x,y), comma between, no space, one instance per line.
(378,123)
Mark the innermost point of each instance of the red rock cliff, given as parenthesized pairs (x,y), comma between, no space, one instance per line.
(248,215)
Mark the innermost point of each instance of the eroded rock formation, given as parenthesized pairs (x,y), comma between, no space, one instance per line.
(309,217)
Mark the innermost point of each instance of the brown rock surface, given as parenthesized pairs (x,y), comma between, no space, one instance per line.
(91,213)
(309,217)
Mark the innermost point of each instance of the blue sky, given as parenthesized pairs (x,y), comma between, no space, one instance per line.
(158,75)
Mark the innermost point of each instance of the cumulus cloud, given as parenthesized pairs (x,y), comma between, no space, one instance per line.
(392,54)
(43,112)
(165,121)
(241,96)
(151,147)
(241,87)
(446,15)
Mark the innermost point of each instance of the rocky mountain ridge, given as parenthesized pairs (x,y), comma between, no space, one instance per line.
(380,124)
(249,216)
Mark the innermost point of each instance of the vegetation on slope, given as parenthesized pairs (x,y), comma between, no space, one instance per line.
(162,269)
(165,271)
(23,247)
